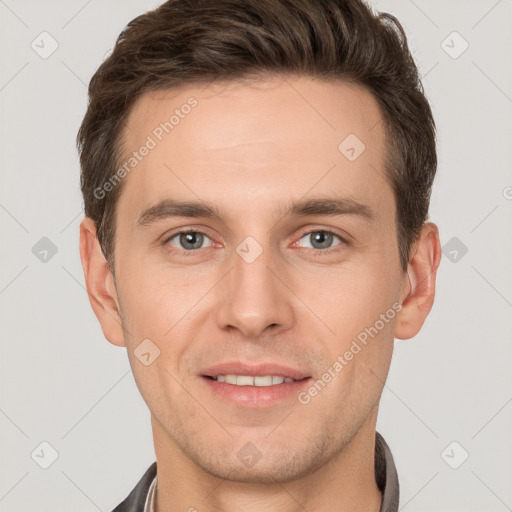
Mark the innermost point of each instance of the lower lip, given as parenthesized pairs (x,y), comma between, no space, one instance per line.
(255,396)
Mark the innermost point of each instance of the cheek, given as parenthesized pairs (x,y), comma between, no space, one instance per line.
(354,296)
(360,307)
(163,305)
(157,308)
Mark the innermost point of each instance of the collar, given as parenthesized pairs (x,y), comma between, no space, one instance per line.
(149,505)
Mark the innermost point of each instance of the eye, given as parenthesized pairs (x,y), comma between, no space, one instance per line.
(187,240)
(321,239)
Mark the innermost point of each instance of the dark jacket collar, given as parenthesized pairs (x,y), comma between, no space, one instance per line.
(385,473)
(137,498)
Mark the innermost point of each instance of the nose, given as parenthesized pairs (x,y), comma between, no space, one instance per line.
(254,297)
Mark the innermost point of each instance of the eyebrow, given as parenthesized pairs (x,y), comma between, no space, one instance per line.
(169,208)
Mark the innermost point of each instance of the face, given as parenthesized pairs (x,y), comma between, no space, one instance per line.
(292,271)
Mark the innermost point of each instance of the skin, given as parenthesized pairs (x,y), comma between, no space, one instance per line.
(250,149)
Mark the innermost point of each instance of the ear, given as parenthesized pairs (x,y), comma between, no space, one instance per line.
(419,290)
(100,284)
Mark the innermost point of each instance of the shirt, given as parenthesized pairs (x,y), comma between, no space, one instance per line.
(143,496)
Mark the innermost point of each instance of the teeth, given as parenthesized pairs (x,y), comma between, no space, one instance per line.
(230,379)
(243,380)
(247,380)
(267,381)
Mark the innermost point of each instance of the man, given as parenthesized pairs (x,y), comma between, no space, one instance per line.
(256,177)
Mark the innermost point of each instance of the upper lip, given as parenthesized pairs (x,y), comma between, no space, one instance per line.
(259,370)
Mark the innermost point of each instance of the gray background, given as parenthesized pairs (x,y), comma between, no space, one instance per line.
(62,383)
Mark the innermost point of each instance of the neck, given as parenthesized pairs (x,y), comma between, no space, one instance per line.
(345,483)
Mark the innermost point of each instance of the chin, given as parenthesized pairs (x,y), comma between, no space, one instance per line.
(273,467)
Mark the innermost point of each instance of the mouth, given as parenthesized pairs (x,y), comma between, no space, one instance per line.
(250,386)
(249,380)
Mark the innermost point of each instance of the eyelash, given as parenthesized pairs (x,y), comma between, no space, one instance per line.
(316,252)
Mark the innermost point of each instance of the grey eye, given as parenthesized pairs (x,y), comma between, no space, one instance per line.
(321,239)
(189,240)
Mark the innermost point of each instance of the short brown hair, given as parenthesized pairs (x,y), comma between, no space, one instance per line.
(191,41)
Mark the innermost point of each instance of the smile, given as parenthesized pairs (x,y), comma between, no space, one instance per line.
(248,380)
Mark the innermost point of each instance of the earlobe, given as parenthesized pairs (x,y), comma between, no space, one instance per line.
(100,284)
(420,291)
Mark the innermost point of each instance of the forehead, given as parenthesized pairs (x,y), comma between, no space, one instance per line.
(260,143)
